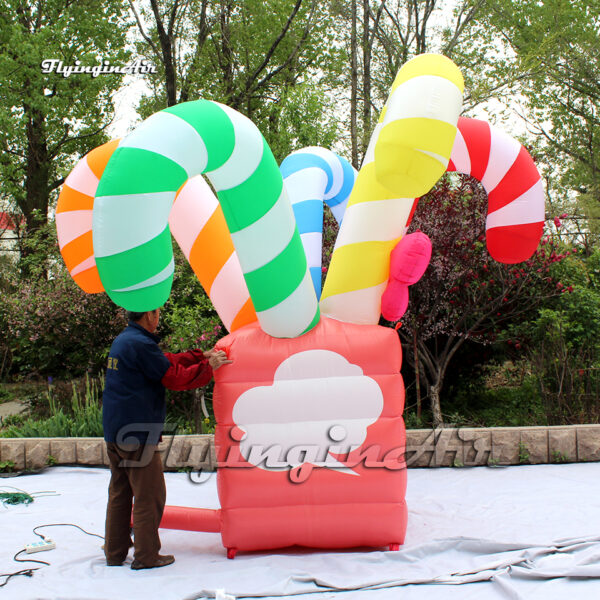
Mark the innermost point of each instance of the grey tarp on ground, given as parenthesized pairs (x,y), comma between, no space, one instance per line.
(487,533)
(451,561)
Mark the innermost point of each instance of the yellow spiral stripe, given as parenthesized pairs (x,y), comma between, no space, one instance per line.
(408,152)
(368,258)
(430,64)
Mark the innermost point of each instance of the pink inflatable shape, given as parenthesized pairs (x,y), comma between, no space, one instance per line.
(310,438)
(408,262)
(310,441)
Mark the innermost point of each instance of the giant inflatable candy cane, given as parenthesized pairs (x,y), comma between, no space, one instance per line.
(74,217)
(196,221)
(514,186)
(314,176)
(132,241)
(408,152)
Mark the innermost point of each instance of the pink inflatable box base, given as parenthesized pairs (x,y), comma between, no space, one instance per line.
(310,439)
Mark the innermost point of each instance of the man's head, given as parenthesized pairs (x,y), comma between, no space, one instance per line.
(148,320)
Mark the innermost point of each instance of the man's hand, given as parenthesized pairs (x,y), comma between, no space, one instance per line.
(216,358)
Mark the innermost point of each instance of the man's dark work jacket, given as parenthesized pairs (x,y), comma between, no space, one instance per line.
(133,392)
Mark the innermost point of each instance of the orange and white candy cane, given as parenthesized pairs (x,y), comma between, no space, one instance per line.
(74,217)
(515,219)
(198,224)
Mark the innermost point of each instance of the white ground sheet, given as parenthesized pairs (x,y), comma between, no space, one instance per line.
(523,532)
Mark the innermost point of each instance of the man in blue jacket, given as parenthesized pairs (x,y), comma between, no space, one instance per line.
(133,413)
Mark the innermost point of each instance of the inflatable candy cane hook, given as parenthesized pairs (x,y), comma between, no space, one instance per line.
(196,221)
(134,198)
(74,217)
(198,225)
(419,125)
(515,218)
(514,186)
(312,176)
(408,152)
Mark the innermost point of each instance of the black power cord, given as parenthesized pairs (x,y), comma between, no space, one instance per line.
(64,525)
(29,572)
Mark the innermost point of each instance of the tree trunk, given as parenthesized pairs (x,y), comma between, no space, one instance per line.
(354,89)
(366,116)
(226,58)
(434,395)
(417,373)
(167,55)
(37,174)
(34,204)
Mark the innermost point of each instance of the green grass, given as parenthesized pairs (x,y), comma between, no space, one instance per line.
(82,419)
(22,391)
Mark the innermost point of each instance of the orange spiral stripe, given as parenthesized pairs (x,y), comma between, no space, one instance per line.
(211,242)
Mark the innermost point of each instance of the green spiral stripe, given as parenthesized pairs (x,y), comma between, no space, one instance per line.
(158,175)
(144,261)
(132,242)
(239,213)
(213,126)
(288,268)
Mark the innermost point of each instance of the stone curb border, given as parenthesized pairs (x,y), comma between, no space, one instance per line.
(447,447)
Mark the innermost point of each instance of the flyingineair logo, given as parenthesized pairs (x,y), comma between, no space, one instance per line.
(138,67)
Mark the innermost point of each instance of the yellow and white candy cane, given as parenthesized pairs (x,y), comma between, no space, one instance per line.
(408,152)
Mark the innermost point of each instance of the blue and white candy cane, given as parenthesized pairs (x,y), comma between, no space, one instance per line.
(313,176)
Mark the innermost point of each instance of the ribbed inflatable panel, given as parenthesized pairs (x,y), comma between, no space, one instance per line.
(310,438)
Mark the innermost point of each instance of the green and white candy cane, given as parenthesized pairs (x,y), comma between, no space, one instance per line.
(132,241)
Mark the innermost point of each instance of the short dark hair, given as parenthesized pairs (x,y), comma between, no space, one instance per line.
(135,316)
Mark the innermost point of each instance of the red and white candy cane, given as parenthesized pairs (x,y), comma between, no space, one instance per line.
(513,184)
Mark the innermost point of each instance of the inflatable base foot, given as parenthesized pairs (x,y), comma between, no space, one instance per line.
(394,547)
(231,552)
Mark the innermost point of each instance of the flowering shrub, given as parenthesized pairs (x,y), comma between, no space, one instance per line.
(185,327)
(563,343)
(51,327)
(464,294)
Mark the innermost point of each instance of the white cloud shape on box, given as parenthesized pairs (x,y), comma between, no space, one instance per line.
(319,402)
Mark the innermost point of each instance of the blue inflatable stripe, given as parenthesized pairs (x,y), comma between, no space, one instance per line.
(309,215)
(315,273)
(297,162)
(347,185)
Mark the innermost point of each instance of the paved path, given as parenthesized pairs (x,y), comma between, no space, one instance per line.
(12,408)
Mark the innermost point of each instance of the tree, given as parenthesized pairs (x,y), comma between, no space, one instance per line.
(382,35)
(556,42)
(46,118)
(464,294)
(269,61)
